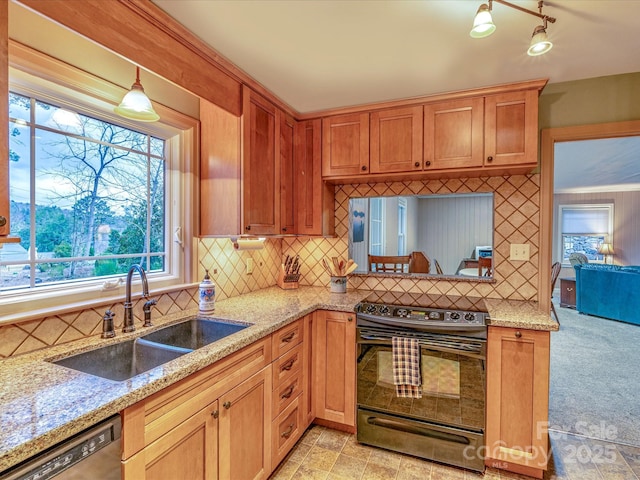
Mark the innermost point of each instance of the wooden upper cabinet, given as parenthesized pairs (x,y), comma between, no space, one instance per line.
(511,128)
(396,140)
(260,165)
(345,145)
(453,134)
(314,198)
(287,176)
(220,171)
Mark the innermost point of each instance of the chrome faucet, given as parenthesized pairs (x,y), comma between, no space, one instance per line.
(129,325)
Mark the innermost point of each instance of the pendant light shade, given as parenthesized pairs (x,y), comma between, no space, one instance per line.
(136,105)
(539,42)
(482,23)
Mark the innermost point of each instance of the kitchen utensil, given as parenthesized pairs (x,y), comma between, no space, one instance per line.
(351,266)
(336,266)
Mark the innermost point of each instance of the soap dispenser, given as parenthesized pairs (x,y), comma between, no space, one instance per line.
(207,294)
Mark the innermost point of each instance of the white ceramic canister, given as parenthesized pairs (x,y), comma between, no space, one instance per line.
(207,294)
(338,285)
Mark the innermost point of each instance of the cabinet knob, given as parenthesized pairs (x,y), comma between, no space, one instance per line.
(427,163)
(227,405)
(284,229)
(417,164)
(518,334)
(248,227)
(3,221)
(363,168)
(215,414)
(349,319)
(489,159)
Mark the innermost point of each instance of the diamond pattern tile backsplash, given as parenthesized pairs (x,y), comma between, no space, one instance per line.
(516,220)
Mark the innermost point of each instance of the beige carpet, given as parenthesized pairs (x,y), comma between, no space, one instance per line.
(594,384)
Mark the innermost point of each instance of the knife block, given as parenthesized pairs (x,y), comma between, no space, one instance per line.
(286,282)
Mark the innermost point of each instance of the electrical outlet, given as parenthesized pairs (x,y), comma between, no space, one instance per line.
(249,266)
(519,251)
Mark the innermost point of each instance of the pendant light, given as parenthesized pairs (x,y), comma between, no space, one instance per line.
(136,105)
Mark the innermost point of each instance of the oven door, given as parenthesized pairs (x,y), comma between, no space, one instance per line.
(453,380)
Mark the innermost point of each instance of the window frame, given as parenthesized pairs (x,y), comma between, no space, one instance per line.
(34,74)
(608,236)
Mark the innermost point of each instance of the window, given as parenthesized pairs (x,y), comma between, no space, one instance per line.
(583,228)
(87,197)
(91,193)
(402,226)
(376,226)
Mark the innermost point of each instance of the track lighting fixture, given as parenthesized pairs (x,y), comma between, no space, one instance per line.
(483,26)
(136,105)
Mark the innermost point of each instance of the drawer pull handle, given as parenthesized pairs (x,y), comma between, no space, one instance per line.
(288,365)
(289,392)
(518,334)
(569,289)
(287,433)
(215,414)
(227,405)
(289,337)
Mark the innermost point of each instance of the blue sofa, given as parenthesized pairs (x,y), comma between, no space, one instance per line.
(609,291)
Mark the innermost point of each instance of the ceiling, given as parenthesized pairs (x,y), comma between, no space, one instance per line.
(322,54)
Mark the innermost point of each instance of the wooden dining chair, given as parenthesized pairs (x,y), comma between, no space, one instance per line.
(555,272)
(419,263)
(389,263)
(486,264)
(438,268)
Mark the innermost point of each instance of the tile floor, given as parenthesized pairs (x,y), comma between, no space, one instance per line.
(328,454)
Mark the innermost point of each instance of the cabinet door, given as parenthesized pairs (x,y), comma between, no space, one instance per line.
(335,349)
(260,165)
(453,134)
(188,452)
(396,140)
(308,403)
(287,176)
(314,198)
(517,399)
(245,429)
(345,145)
(511,128)
(220,171)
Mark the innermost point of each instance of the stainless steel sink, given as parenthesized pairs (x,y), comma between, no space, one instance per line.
(123,360)
(194,333)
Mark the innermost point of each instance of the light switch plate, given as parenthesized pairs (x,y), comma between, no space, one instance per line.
(249,266)
(519,251)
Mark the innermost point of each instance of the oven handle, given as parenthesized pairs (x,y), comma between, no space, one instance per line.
(434,348)
(425,432)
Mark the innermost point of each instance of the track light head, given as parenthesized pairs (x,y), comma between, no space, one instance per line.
(483,25)
(540,44)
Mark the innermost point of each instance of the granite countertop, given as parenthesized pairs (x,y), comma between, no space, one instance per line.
(519,314)
(42,404)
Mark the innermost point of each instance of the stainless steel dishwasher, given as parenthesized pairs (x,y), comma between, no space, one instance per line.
(91,454)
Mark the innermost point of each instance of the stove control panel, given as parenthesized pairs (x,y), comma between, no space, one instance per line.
(422,313)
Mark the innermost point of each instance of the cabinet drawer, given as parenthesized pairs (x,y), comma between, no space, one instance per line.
(286,338)
(287,365)
(286,393)
(285,431)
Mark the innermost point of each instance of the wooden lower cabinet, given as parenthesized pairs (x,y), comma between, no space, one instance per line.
(190,451)
(517,400)
(335,362)
(244,436)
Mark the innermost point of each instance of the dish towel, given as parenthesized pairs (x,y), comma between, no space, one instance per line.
(406,367)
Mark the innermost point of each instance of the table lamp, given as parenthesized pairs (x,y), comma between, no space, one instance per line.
(606,249)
